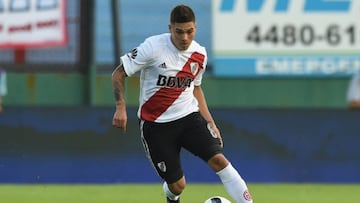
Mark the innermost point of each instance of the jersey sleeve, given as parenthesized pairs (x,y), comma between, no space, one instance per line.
(198,78)
(137,58)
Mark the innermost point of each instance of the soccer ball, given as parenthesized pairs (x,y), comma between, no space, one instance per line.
(217,199)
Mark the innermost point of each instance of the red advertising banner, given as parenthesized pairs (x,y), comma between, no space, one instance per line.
(32,23)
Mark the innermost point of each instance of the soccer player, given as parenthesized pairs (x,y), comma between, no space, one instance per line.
(353,92)
(173,112)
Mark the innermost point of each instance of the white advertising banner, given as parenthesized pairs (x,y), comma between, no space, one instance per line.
(286,37)
(32,23)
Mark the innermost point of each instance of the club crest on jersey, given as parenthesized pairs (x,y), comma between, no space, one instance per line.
(194,67)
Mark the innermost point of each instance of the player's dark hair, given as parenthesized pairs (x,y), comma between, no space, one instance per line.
(182,14)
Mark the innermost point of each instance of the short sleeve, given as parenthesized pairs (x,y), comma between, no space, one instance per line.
(198,78)
(137,58)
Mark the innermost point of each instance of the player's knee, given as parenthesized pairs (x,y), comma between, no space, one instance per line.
(178,187)
(218,162)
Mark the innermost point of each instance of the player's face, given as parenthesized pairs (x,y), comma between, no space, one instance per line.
(182,34)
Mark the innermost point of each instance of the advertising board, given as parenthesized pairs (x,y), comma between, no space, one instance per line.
(286,37)
(32,23)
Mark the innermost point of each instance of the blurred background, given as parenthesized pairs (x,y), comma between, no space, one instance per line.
(276,83)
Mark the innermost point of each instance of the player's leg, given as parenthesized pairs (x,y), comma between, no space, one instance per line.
(201,142)
(173,190)
(161,145)
(229,176)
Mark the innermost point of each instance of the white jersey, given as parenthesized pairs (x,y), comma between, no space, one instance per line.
(167,77)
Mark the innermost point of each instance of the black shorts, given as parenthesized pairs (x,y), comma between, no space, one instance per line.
(163,142)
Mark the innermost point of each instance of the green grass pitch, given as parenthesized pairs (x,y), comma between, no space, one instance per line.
(194,193)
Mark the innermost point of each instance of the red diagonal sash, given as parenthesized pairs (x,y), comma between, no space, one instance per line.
(165,96)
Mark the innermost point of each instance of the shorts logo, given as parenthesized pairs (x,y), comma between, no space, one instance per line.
(247,195)
(162,166)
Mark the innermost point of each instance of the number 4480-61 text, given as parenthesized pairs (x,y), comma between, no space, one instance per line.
(304,35)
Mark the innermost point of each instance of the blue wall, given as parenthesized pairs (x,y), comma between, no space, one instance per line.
(141,18)
(79,145)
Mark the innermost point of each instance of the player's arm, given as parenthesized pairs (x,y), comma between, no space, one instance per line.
(204,110)
(118,83)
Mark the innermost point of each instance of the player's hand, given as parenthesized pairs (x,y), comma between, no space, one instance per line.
(216,131)
(120,119)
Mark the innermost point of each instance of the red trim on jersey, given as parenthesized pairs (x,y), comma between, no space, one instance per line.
(165,96)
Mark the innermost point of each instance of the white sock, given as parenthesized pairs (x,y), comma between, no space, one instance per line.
(234,184)
(168,193)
